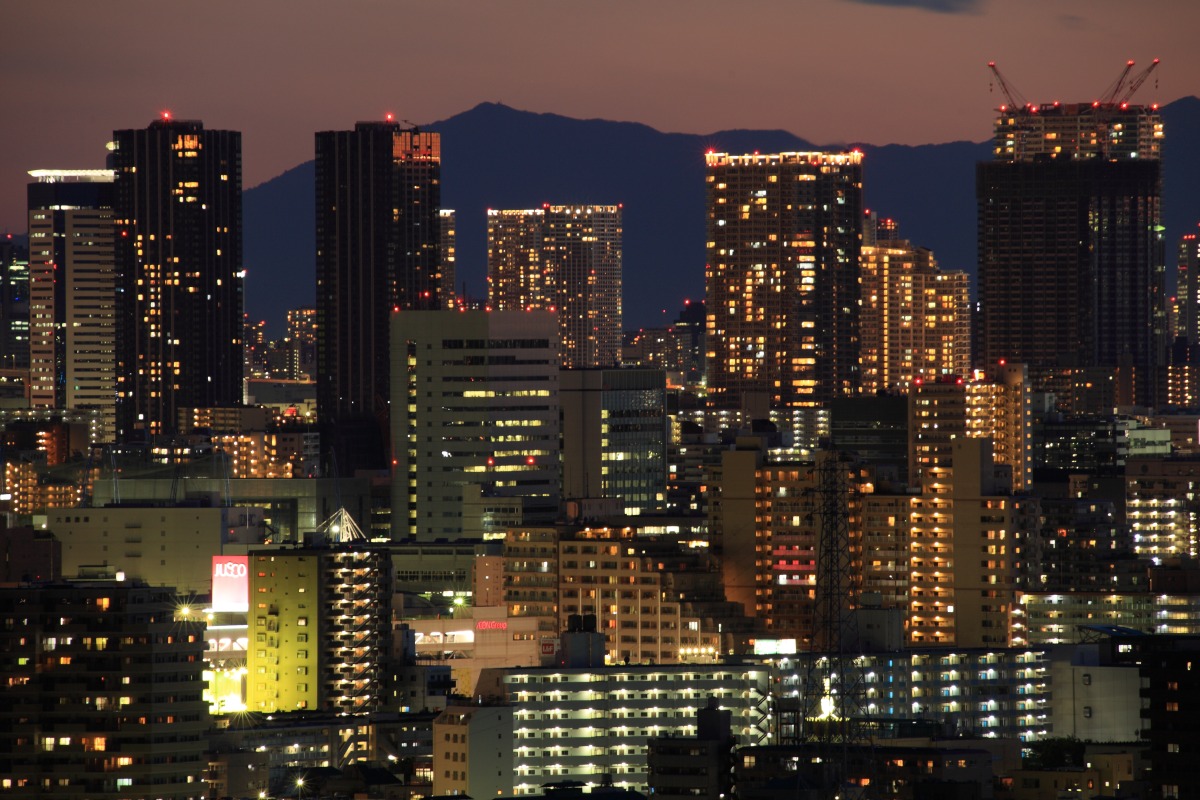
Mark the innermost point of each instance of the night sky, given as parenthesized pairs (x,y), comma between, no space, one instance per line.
(832,71)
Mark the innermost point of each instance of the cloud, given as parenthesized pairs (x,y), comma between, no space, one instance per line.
(940,6)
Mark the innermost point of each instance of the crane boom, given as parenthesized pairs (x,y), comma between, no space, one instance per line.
(1015,100)
(1110,94)
(1137,82)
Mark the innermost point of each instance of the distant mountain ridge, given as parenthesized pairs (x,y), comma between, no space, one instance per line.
(494,156)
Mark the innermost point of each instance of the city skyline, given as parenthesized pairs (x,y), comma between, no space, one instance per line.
(852,525)
(109,72)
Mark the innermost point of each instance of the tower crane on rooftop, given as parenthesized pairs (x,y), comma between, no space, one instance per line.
(1137,82)
(1015,100)
(1110,94)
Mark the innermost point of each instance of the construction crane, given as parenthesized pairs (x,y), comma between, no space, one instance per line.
(1110,94)
(1015,99)
(1137,82)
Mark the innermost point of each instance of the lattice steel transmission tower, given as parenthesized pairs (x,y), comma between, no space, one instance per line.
(832,701)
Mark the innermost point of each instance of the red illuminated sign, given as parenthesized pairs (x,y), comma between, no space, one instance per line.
(491,625)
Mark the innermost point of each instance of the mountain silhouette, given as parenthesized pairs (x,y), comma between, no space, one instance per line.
(494,156)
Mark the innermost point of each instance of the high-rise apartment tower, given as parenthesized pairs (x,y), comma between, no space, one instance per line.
(915,317)
(565,259)
(784,236)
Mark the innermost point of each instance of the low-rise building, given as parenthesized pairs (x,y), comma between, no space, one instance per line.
(595,724)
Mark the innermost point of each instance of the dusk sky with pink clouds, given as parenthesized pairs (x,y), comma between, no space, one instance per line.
(831,71)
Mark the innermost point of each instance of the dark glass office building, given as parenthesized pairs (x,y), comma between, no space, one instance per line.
(378,253)
(177,206)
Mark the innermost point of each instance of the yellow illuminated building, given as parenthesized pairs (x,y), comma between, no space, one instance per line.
(996,405)
(963,551)
(318,629)
(915,317)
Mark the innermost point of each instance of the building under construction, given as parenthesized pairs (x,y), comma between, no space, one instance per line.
(1072,265)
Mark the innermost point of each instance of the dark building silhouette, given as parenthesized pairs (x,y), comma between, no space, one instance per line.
(14,304)
(103,692)
(378,253)
(177,205)
(1071,250)
(28,554)
(1170,697)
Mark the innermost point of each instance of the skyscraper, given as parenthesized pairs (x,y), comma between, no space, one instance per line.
(1071,252)
(72,293)
(378,252)
(784,235)
(302,340)
(177,206)
(614,436)
(567,259)
(516,279)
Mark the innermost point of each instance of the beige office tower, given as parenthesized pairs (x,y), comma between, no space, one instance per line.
(474,410)
(566,259)
(996,405)
(72,294)
(915,318)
